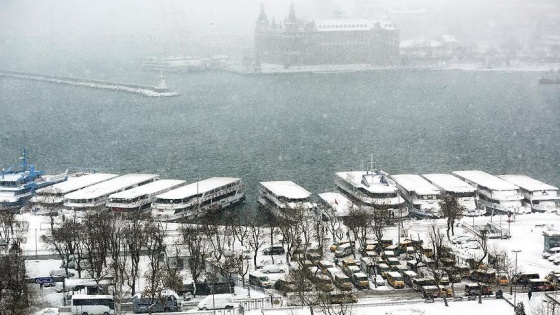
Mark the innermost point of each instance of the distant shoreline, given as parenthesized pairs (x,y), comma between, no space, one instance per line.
(337,69)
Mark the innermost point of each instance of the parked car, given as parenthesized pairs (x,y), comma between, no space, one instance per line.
(378,280)
(274,250)
(272,269)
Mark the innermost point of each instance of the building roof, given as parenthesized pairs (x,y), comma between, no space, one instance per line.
(287,189)
(74,183)
(148,189)
(413,182)
(486,180)
(111,186)
(526,182)
(198,188)
(449,183)
(352,25)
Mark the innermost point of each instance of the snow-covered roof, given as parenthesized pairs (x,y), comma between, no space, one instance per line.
(74,183)
(373,180)
(449,183)
(286,189)
(197,188)
(148,189)
(484,179)
(413,182)
(352,25)
(526,182)
(111,186)
(420,43)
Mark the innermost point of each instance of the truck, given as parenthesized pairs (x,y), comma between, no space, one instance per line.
(167,301)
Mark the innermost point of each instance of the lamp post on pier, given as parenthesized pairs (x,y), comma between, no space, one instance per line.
(515,275)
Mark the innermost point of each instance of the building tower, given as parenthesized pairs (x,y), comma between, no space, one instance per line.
(262,21)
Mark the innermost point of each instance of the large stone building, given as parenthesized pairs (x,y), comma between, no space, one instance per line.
(338,41)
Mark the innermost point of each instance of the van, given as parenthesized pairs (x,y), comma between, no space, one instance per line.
(348,262)
(523,278)
(343,282)
(502,279)
(419,283)
(324,265)
(335,245)
(274,250)
(408,277)
(323,283)
(431,291)
(360,280)
(60,273)
(216,301)
(259,280)
(395,280)
(344,250)
(382,270)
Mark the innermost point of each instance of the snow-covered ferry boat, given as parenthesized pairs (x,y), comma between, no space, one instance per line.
(538,196)
(197,199)
(372,189)
(141,197)
(49,199)
(493,193)
(95,197)
(19,182)
(421,196)
(453,186)
(281,198)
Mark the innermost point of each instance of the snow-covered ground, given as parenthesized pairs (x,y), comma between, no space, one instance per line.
(526,235)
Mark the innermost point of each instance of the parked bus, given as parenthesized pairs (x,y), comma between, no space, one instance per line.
(92,304)
(408,277)
(395,280)
(382,270)
(418,283)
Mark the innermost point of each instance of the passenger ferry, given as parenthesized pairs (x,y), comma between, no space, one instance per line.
(197,199)
(372,189)
(538,196)
(49,199)
(494,194)
(463,192)
(281,197)
(141,197)
(421,196)
(18,183)
(95,197)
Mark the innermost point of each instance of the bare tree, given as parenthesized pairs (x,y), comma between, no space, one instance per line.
(256,238)
(379,223)
(15,293)
(119,260)
(359,221)
(334,227)
(134,238)
(452,210)
(96,243)
(155,248)
(61,238)
(197,249)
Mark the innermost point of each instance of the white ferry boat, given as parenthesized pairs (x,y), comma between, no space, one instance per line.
(538,196)
(463,192)
(19,182)
(279,197)
(95,197)
(335,204)
(494,194)
(372,189)
(196,199)
(421,196)
(48,200)
(141,197)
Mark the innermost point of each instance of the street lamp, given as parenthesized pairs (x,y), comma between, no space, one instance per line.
(36,244)
(515,274)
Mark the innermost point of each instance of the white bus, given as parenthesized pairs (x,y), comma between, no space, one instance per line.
(92,304)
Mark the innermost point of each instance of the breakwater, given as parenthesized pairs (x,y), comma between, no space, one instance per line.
(144,90)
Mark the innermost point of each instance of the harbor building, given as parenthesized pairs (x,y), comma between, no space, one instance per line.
(303,42)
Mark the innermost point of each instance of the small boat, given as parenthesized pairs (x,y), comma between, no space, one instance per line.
(550,77)
(18,183)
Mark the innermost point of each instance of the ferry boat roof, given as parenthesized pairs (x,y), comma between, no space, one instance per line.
(110,186)
(413,182)
(76,182)
(150,188)
(286,189)
(355,178)
(526,182)
(448,182)
(199,187)
(486,180)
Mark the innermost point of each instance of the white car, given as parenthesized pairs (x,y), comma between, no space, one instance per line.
(553,257)
(272,269)
(48,311)
(379,280)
